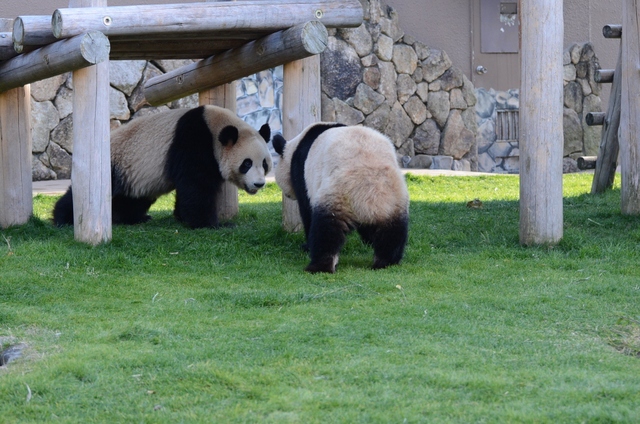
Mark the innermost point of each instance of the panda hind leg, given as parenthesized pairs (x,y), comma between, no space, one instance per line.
(388,241)
(327,235)
(196,208)
(131,210)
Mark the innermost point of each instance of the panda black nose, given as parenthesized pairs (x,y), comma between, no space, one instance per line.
(259,185)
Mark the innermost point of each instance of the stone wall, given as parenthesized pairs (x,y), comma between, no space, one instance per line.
(581,96)
(377,76)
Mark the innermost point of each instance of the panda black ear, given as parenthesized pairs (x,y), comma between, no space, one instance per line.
(278,143)
(228,135)
(265,132)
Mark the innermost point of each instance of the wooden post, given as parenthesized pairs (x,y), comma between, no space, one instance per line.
(301,107)
(91,161)
(607,160)
(630,110)
(541,122)
(16,205)
(223,96)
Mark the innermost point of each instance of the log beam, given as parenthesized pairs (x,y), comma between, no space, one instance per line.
(541,215)
(6,46)
(587,162)
(33,31)
(612,31)
(54,59)
(604,76)
(248,15)
(595,118)
(275,49)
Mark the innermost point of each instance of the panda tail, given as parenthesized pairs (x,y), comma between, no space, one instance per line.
(63,210)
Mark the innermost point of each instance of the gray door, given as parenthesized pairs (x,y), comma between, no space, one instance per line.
(495,57)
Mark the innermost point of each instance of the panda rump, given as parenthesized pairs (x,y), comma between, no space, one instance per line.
(190,150)
(345,178)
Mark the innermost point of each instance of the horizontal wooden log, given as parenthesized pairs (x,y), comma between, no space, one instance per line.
(54,59)
(6,46)
(170,49)
(595,118)
(587,162)
(604,76)
(32,31)
(612,31)
(202,17)
(275,49)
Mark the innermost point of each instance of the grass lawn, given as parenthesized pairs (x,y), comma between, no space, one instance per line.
(168,325)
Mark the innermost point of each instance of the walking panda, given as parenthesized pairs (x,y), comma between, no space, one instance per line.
(345,178)
(190,150)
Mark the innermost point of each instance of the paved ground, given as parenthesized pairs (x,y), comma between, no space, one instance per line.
(60,186)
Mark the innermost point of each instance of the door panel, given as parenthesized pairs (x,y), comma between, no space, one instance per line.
(495,59)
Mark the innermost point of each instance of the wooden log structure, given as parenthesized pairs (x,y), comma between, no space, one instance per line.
(612,31)
(57,58)
(630,110)
(173,20)
(6,46)
(595,118)
(604,76)
(541,94)
(33,32)
(587,162)
(280,47)
(607,161)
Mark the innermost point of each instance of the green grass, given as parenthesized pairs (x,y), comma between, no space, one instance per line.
(167,325)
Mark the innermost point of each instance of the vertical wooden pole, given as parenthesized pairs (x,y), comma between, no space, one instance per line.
(541,138)
(301,107)
(630,110)
(223,96)
(16,205)
(91,162)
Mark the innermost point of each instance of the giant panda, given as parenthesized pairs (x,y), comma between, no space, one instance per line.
(345,178)
(190,150)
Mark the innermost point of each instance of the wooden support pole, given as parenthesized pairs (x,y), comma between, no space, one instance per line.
(190,18)
(34,31)
(604,76)
(301,108)
(612,31)
(91,161)
(16,205)
(541,122)
(630,110)
(223,96)
(54,59)
(607,161)
(275,49)
(595,118)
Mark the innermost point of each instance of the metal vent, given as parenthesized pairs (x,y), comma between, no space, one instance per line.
(507,125)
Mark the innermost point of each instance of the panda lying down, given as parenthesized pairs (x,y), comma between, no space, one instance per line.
(190,150)
(345,178)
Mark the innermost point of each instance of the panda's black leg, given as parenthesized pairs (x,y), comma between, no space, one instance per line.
(195,206)
(389,242)
(63,210)
(327,235)
(130,210)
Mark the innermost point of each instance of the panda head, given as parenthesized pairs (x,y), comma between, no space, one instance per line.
(243,156)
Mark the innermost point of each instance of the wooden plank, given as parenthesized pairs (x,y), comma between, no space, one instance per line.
(16,205)
(91,161)
(607,161)
(54,59)
(301,108)
(541,102)
(630,110)
(201,17)
(223,96)
(275,49)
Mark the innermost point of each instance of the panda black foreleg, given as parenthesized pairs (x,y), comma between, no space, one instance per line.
(196,205)
(327,235)
(389,241)
(130,210)
(63,210)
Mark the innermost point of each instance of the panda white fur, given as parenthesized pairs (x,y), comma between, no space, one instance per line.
(345,178)
(190,150)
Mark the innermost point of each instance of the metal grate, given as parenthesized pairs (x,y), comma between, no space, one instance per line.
(507,128)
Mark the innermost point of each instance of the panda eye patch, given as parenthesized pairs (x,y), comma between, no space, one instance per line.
(265,166)
(246,166)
